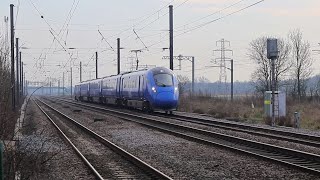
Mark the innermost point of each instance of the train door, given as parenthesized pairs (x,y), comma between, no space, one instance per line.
(121,88)
(118,88)
(141,86)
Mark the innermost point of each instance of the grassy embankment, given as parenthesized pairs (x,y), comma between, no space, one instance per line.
(250,109)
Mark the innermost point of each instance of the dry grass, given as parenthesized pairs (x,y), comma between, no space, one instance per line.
(309,112)
(241,109)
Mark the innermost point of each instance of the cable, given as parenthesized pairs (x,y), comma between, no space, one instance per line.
(143,20)
(158,17)
(181,4)
(234,12)
(163,15)
(16,19)
(106,40)
(140,40)
(53,33)
(71,15)
(219,11)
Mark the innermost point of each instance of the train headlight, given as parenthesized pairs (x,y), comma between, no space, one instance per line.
(176,89)
(154,89)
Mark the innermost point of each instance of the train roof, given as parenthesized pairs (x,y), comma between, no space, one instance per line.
(153,70)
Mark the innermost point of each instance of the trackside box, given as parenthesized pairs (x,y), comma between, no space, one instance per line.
(280,104)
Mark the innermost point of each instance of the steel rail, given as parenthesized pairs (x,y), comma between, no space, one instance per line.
(295,137)
(64,136)
(305,161)
(253,131)
(156,174)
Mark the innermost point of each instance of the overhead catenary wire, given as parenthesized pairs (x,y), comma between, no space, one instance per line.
(140,40)
(139,22)
(216,12)
(204,24)
(53,33)
(103,38)
(217,19)
(18,8)
(68,19)
(159,17)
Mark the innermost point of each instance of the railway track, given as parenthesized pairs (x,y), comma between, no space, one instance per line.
(305,161)
(274,133)
(148,171)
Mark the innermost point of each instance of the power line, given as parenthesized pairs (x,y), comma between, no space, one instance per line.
(217,19)
(52,32)
(216,12)
(204,24)
(140,40)
(103,38)
(165,6)
(18,8)
(159,16)
(143,20)
(68,19)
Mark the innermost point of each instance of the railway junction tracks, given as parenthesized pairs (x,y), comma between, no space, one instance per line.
(304,161)
(115,169)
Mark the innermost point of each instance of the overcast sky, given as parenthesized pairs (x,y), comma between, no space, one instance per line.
(78,34)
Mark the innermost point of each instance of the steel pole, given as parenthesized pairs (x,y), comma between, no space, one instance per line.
(171,35)
(273,92)
(50,91)
(20,74)
(63,83)
(96,65)
(192,75)
(71,81)
(231,79)
(17,71)
(13,97)
(58,87)
(24,84)
(80,71)
(118,54)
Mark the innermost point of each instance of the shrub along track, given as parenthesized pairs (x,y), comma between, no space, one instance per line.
(130,167)
(306,162)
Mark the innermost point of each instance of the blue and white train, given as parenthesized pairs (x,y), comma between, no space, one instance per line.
(149,90)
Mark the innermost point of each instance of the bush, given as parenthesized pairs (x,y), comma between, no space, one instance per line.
(200,111)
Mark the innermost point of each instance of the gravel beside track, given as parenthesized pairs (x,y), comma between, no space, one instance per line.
(282,143)
(39,135)
(289,129)
(179,158)
(109,164)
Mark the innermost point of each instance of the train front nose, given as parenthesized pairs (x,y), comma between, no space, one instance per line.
(166,100)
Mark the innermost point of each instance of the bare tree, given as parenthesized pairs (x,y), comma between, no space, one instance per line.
(203,79)
(262,75)
(183,81)
(302,62)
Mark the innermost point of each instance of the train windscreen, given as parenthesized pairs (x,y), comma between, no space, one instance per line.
(163,80)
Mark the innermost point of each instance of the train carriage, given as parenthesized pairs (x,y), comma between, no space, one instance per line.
(153,89)
(110,90)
